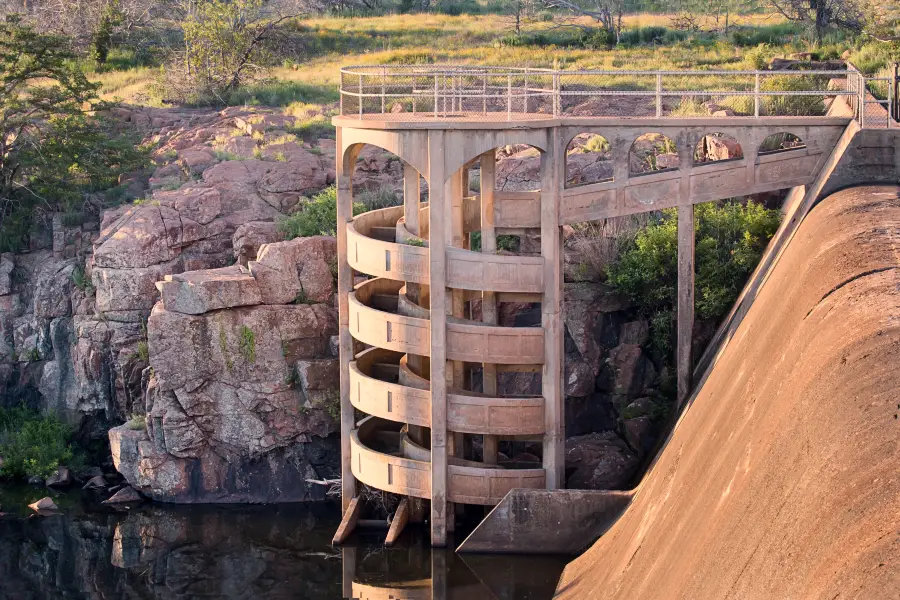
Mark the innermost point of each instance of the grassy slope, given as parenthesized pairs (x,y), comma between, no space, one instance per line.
(319,47)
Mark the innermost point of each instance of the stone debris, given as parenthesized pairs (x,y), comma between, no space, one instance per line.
(124,495)
(44,504)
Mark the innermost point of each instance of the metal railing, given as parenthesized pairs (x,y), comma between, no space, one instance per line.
(427,92)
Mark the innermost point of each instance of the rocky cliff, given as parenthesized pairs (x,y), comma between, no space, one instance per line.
(183,306)
(244,389)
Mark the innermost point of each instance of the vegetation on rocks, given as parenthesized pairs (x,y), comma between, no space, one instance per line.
(317,216)
(730,239)
(32,444)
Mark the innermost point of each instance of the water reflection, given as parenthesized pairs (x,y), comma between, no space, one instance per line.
(414,571)
(264,552)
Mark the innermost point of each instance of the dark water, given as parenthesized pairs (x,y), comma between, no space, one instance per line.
(247,552)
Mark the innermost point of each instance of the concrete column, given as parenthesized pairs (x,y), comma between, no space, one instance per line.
(685,301)
(345,287)
(439,215)
(552,167)
(411,198)
(453,196)
(489,299)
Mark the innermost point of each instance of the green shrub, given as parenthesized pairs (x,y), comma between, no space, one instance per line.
(793,106)
(318,216)
(32,444)
(137,422)
(378,199)
(730,239)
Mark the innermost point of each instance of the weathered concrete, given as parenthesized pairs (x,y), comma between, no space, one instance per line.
(780,479)
(546,522)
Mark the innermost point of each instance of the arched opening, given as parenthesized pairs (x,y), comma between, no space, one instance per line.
(588,160)
(716,147)
(651,153)
(781,142)
(518,168)
(378,178)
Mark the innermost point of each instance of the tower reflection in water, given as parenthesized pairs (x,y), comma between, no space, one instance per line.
(415,571)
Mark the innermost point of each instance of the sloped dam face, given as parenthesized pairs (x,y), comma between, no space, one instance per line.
(782,479)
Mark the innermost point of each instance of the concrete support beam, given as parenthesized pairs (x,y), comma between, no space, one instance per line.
(683,362)
(411,198)
(345,341)
(489,299)
(439,215)
(552,168)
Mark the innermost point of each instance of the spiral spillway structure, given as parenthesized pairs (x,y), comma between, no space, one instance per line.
(422,416)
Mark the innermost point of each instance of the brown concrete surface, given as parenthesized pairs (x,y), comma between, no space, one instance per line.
(546,521)
(782,479)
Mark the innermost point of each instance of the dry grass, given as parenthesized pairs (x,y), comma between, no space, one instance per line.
(329,43)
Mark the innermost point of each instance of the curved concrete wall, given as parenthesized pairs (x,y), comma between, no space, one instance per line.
(470,413)
(400,262)
(472,485)
(389,473)
(781,478)
(386,400)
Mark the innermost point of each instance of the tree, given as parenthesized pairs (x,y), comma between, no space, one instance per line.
(224,41)
(822,14)
(54,152)
(83,21)
(608,13)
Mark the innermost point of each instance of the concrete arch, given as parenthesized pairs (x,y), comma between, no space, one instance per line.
(583,165)
(410,147)
(717,146)
(782,141)
(645,152)
(462,147)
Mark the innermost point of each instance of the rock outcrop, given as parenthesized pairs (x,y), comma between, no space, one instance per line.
(244,391)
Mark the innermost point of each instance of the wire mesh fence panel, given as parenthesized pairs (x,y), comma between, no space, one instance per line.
(422,92)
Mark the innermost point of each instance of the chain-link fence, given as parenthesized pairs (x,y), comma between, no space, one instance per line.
(414,92)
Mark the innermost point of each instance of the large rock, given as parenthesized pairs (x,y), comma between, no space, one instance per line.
(243,398)
(249,237)
(599,461)
(628,372)
(296,270)
(197,292)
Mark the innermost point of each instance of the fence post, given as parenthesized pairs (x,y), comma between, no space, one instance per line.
(658,94)
(525,101)
(557,98)
(484,93)
(360,96)
(756,96)
(383,75)
(509,97)
(435,96)
(895,85)
(862,100)
(890,103)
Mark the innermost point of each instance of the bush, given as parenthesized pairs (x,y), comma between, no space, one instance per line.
(793,106)
(730,240)
(32,444)
(318,216)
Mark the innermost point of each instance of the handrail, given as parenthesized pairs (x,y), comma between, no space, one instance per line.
(428,92)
